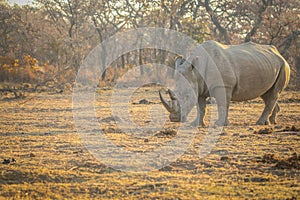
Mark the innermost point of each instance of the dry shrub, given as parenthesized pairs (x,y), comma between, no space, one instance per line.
(25,70)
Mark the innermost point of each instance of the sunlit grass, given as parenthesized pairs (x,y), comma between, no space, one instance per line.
(53,163)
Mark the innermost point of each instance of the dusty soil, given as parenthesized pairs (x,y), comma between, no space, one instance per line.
(43,157)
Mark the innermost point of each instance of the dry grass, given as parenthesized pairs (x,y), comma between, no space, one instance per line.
(51,162)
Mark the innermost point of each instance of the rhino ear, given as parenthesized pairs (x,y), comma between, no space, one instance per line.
(195,63)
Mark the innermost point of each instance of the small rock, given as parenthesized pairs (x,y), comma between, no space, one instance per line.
(278,127)
(111,119)
(144,101)
(223,134)
(256,179)
(146,140)
(166,168)
(243,136)
(259,179)
(31,155)
(167,132)
(224,158)
(6,161)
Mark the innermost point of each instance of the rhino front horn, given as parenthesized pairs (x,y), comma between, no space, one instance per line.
(166,104)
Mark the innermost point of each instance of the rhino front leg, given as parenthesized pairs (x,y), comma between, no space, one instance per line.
(223,115)
(201,109)
(223,97)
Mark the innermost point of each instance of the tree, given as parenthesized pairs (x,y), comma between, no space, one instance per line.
(64,31)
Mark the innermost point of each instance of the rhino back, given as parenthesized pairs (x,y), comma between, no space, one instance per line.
(249,70)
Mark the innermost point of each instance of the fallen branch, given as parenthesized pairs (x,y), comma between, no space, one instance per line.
(289,132)
(28,99)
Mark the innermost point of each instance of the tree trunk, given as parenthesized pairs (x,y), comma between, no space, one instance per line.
(123,61)
(141,62)
(259,19)
(115,72)
(221,29)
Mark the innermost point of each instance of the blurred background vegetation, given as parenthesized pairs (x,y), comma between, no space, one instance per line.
(44,43)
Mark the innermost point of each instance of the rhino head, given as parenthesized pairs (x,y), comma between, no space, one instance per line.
(183,98)
(173,107)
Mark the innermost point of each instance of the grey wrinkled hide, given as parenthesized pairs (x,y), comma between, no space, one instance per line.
(243,72)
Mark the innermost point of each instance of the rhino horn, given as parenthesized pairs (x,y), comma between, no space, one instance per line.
(165,103)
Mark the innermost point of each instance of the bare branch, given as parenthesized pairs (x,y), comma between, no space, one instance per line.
(259,19)
(288,41)
(216,22)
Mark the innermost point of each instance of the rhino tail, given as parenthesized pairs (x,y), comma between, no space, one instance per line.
(283,77)
(284,74)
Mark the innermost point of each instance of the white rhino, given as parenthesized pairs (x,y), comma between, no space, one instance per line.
(242,72)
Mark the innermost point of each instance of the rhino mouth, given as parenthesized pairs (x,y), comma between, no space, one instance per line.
(173,107)
(177,118)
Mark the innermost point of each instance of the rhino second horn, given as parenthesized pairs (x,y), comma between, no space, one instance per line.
(172,94)
(165,103)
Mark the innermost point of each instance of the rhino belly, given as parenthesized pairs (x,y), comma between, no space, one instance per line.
(252,86)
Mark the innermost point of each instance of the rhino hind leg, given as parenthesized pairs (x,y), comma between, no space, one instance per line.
(271,107)
(270,99)
(272,118)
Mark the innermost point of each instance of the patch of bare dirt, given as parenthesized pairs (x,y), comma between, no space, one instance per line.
(286,162)
(111,119)
(290,100)
(166,133)
(264,131)
(290,129)
(270,130)
(52,162)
